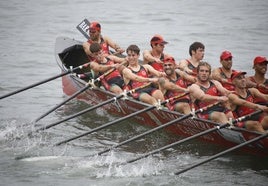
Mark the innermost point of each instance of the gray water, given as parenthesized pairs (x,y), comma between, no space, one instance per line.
(28,30)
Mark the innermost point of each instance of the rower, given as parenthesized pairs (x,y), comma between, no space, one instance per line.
(174,84)
(197,52)
(155,56)
(113,81)
(104,41)
(242,103)
(205,92)
(136,75)
(258,79)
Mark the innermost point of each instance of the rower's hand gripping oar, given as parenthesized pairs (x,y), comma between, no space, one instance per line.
(118,120)
(71,70)
(218,127)
(260,137)
(124,94)
(89,84)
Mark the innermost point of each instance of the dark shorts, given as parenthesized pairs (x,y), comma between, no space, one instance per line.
(216,108)
(116,81)
(149,90)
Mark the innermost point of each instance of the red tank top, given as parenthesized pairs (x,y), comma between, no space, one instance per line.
(141,72)
(104,45)
(211,90)
(158,66)
(242,110)
(229,85)
(262,90)
(113,74)
(180,82)
(191,67)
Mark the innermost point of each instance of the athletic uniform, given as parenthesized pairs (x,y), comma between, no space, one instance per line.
(229,85)
(158,66)
(262,90)
(135,84)
(104,47)
(242,110)
(191,67)
(169,93)
(213,91)
(114,78)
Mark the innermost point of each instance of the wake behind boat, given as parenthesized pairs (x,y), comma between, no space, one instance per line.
(69,54)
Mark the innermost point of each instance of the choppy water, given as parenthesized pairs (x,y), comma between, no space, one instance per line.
(28,30)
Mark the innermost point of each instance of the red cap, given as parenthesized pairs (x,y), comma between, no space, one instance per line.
(169,60)
(95,26)
(225,55)
(235,74)
(158,39)
(260,59)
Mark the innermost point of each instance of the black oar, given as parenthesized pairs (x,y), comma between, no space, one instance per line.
(90,108)
(74,95)
(218,127)
(155,129)
(115,121)
(83,27)
(223,153)
(44,81)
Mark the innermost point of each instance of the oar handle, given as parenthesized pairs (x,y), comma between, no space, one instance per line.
(242,118)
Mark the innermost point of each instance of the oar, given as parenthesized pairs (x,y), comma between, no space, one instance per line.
(90,108)
(224,152)
(83,27)
(155,129)
(115,121)
(44,81)
(74,95)
(218,127)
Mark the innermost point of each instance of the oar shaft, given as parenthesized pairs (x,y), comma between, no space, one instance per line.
(79,113)
(224,152)
(44,81)
(107,125)
(65,101)
(33,85)
(218,127)
(74,95)
(178,142)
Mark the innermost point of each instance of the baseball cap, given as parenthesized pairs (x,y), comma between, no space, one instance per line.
(95,26)
(158,39)
(169,60)
(259,59)
(235,74)
(225,55)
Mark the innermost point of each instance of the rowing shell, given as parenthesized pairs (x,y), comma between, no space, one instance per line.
(69,53)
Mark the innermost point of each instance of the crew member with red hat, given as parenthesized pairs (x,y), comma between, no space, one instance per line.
(242,103)
(259,79)
(155,56)
(223,73)
(104,41)
(176,83)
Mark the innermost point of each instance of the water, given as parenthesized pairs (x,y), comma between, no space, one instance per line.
(28,32)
